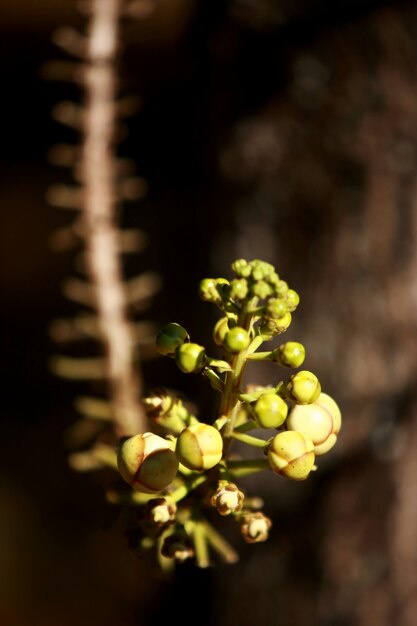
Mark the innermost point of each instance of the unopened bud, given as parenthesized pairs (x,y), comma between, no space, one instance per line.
(291,454)
(199,447)
(304,387)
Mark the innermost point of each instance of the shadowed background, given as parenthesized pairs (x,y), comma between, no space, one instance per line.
(267,129)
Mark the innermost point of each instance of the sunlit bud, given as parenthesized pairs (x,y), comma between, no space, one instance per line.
(276,308)
(281,288)
(238,289)
(190,357)
(293,299)
(272,327)
(227,498)
(262,289)
(199,447)
(236,339)
(255,527)
(177,546)
(315,422)
(208,290)
(146,462)
(327,402)
(270,410)
(170,337)
(291,454)
(304,387)
(290,354)
(241,268)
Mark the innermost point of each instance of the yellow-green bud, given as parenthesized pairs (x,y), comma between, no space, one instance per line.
(227,498)
(146,462)
(190,357)
(327,402)
(291,454)
(255,527)
(272,327)
(291,354)
(293,299)
(238,289)
(170,337)
(270,410)
(221,328)
(315,422)
(304,387)
(236,340)
(199,447)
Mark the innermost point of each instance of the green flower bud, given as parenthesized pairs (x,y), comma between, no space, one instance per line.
(261,289)
(276,308)
(241,268)
(291,354)
(304,387)
(291,454)
(220,329)
(293,299)
(236,340)
(255,527)
(270,410)
(227,498)
(170,337)
(146,462)
(315,422)
(190,357)
(281,288)
(272,327)
(238,289)
(209,289)
(199,447)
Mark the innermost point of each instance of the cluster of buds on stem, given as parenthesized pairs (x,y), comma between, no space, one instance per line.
(182,475)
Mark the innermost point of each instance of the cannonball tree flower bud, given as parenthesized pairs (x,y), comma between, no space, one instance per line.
(170,337)
(262,289)
(315,422)
(190,357)
(291,454)
(276,308)
(227,498)
(290,354)
(221,328)
(328,403)
(146,462)
(238,289)
(293,299)
(281,288)
(255,527)
(236,339)
(199,447)
(270,410)
(304,387)
(242,268)
(271,327)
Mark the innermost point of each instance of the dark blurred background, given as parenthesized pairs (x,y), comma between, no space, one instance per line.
(274,129)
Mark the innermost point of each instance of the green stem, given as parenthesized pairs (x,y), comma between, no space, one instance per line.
(218,543)
(246,426)
(249,440)
(185,489)
(243,467)
(260,356)
(200,544)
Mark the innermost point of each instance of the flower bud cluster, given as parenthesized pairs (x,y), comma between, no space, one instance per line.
(177,477)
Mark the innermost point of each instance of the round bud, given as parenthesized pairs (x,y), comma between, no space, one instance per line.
(199,447)
(291,454)
(208,290)
(238,289)
(272,327)
(170,337)
(146,462)
(291,354)
(270,410)
(327,402)
(236,340)
(190,357)
(293,299)
(276,308)
(220,329)
(315,422)
(304,387)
